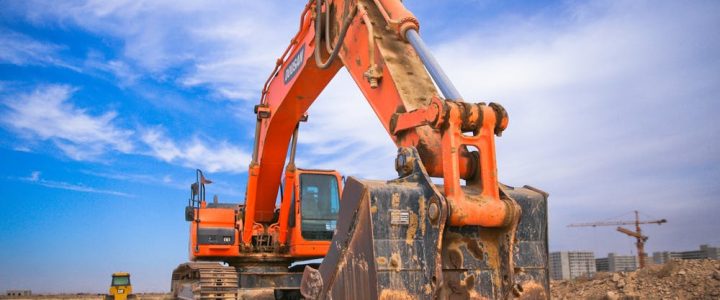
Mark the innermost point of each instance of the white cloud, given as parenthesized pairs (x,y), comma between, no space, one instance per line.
(23,50)
(231,46)
(604,97)
(119,69)
(148,179)
(611,108)
(19,49)
(47,114)
(218,157)
(35,178)
(602,90)
(343,133)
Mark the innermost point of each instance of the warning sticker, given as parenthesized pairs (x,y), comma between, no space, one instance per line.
(399,217)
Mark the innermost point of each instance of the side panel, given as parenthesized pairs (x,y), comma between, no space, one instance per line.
(208,239)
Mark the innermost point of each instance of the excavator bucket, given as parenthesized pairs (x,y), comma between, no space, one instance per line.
(392,243)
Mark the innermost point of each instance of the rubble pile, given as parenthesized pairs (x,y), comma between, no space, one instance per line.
(677,279)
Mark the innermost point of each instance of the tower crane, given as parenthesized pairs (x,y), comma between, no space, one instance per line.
(640,239)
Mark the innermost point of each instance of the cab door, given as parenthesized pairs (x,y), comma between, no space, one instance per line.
(315,209)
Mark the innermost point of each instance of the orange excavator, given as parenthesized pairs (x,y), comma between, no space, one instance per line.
(406,238)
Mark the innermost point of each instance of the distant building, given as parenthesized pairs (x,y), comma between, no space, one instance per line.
(18,293)
(602,265)
(710,252)
(705,252)
(665,256)
(617,263)
(571,264)
(623,263)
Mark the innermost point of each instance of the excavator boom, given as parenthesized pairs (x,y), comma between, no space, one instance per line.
(407,238)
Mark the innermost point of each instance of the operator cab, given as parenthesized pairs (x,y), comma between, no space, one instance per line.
(314,211)
(120,287)
(320,203)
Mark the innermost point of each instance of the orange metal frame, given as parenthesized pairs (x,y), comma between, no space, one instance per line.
(289,238)
(393,80)
(217,218)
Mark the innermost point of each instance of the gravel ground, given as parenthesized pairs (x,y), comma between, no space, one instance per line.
(143,296)
(677,279)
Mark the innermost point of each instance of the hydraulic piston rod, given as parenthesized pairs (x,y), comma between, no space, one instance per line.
(436,72)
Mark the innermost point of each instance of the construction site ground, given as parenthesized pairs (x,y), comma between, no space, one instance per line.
(677,279)
(87,296)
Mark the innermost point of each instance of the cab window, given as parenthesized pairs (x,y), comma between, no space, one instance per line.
(319,198)
(120,280)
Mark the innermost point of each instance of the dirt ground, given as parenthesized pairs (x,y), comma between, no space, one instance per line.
(677,279)
(144,296)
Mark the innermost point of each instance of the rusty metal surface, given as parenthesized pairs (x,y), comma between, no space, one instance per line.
(204,280)
(211,280)
(385,245)
(254,279)
(346,247)
(500,263)
(390,244)
(532,277)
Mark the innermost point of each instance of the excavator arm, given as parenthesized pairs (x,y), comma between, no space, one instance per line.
(375,49)
(407,237)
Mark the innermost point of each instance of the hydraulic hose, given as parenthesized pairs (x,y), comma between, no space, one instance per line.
(341,37)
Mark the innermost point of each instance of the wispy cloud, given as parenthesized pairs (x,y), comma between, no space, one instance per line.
(229,46)
(610,107)
(165,180)
(122,71)
(20,49)
(604,97)
(343,133)
(47,114)
(218,187)
(598,89)
(35,178)
(216,157)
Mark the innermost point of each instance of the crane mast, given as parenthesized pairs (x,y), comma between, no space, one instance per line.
(640,239)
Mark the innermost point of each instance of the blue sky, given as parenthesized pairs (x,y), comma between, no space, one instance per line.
(108,106)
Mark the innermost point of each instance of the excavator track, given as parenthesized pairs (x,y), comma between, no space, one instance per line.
(204,281)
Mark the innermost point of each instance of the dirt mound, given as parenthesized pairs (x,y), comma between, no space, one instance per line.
(86,296)
(677,279)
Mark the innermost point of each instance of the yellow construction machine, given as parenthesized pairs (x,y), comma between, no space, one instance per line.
(120,287)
